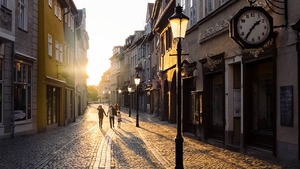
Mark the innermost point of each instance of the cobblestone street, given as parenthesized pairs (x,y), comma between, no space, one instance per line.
(83,145)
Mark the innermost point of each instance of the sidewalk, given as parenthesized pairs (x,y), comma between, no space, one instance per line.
(158,137)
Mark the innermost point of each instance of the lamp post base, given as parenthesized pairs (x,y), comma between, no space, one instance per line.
(179,152)
(137,120)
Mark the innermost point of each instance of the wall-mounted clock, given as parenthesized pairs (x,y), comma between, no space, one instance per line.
(251,27)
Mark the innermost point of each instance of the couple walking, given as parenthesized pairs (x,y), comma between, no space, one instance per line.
(112,112)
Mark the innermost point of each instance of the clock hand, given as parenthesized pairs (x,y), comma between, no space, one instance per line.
(251,29)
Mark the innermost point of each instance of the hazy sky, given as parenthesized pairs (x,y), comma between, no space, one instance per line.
(109,23)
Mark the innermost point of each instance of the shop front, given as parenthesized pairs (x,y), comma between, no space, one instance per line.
(259,100)
(213,97)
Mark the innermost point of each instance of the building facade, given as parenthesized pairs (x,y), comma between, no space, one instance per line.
(243,97)
(238,97)
(55,64)
(18,31)
(81,47)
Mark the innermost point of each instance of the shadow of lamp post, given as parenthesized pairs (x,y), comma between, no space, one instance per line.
(179,24)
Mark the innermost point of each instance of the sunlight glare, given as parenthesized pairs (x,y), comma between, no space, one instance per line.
(95,69)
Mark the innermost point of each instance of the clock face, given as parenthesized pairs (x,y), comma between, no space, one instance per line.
(252,27)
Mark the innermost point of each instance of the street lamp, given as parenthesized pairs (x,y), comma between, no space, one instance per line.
(179,24)
(103,96)
(129,91)
(120,97)
(137,80)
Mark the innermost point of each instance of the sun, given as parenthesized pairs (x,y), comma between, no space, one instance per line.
(95,69)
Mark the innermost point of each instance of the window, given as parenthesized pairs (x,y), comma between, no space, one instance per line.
(59,13)
(56,50)
(162,45)
(22,90)
(60,53)
(49,45)
(50,3)
(55,8)
(169,39)
(223,2)
(65,53)
(183,4)
(262,96)
(66,15)
(71,57)
(68,56)
(192,13)
(4,3)
(72,23)
(210,6)
(23,14)
(217,100)
(69,20)
(8,4)
(192,16)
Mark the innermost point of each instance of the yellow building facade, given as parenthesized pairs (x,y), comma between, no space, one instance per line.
(51,74)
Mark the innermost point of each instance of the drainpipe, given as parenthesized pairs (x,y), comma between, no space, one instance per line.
(12,120)
(296,27)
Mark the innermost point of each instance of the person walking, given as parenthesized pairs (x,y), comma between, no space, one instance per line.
(101,114)
(119,119)
(111,113)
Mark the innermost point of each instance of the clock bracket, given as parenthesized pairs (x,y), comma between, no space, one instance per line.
(279,7)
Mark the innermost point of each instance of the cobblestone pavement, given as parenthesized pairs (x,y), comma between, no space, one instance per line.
(72,146)
(159,138)
(196,154)
(84,145)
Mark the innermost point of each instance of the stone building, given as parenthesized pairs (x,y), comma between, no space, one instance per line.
(18,51)
(56,53)
(81,47)
(243,98)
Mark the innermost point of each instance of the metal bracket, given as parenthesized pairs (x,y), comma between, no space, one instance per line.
(279,7)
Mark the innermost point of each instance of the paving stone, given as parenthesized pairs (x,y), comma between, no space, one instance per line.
(152,145)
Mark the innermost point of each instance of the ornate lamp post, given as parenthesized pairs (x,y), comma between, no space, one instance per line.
(137,80)
(129,91)
(179,24)
(103,93)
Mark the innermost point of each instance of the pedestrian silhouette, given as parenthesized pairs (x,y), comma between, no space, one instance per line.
(101,114)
